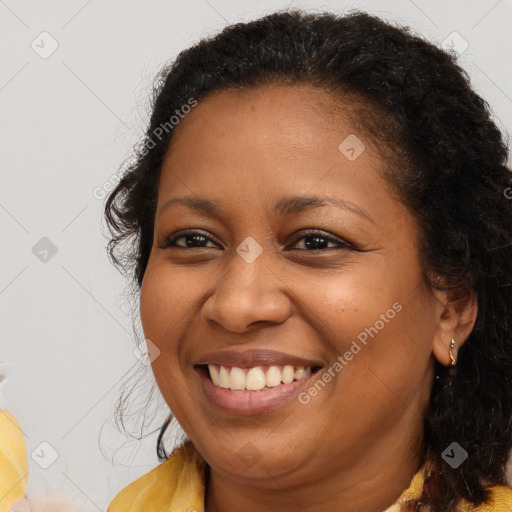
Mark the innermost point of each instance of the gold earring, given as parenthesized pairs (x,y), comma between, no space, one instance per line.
(452,346)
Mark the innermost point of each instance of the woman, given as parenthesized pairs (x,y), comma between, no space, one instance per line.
(323,252)
(322,217)
(371,365)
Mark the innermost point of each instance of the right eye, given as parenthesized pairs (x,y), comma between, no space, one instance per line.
(193,239)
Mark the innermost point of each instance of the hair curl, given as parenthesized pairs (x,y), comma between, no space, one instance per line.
(446,160)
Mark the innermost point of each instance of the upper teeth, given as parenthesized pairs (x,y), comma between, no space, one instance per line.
(254,379)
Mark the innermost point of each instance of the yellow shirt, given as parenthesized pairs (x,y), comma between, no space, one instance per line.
(178,485)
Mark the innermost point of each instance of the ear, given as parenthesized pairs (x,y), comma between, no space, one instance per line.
(458,310)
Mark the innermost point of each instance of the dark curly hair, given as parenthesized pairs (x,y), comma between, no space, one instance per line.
(446,161)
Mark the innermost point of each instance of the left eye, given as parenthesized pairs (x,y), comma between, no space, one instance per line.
(317,240)
(314,240)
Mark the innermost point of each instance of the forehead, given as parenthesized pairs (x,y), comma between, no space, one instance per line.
(298,134)
(295,112)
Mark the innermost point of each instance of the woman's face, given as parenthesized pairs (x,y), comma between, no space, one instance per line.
(250,288)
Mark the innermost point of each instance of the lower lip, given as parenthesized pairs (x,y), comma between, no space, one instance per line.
(250,402)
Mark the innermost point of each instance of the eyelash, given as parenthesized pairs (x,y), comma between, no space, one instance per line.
(170,240)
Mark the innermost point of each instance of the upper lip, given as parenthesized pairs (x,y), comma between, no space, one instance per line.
(251,358)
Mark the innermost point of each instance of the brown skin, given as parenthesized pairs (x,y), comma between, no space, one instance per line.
(356,445)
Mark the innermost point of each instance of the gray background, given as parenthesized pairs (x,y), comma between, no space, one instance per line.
(68,122)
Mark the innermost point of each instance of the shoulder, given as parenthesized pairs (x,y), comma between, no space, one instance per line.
(178,482)
(499,500)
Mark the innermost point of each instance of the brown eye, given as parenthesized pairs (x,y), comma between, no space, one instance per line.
(318,240)
(192,239)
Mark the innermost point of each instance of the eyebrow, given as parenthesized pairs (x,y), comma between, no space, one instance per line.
(285,206)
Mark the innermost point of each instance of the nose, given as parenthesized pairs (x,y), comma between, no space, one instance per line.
(246,295)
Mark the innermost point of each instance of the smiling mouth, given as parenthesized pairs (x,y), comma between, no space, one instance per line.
(257,378)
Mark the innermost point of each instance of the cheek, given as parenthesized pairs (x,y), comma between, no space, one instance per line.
(166,300)
(376,318)
(350,302)
(153,303)
(168,307)
(162,308)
